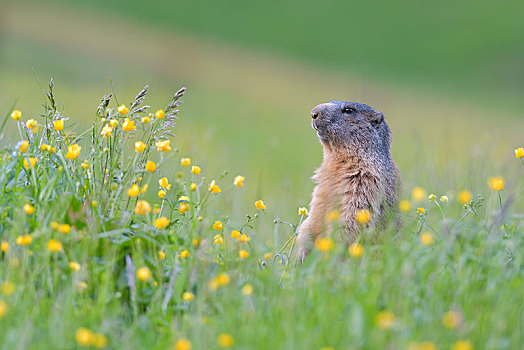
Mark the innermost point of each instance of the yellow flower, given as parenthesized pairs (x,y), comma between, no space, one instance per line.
(418,194)
(99,341)
(164,183)
(195,169)
(161,255)
(356,250)
(242,254)
(183,199)
(161,222)
(140,146)
(163,146)
(404,206)
(247,289)
(183,344)
(221,280)
(84,165)
(7,288)
(24,240)
(385,320)
(519,152)
(58,124)
(24,146)
(260,204)
(363,216)
(54,246)
(303,211)
(106,131)
(146,120)
(183,207)
(244,238)
(426,238)
(421,210)
(218,225)
(464,196)
(425,345)
(3,307)
(84,336)
(142,207)
(128,125)
(16,114)
(185,162)
(239,181)
(451,319)
(29,162)
(150,166)
(235,234)
(144,274)
(193,186)
(268,255)
(113,123)
(29,209)
(4,246)
(30,124)
(133,191)
(161,194)
(188,296)
(196,242)
(160,114)
(122,109)
(218,239)
(496,183)
(144,189)
(444,199)
(324,244)
(64,228)
(74,266)
(73,151)
(225,340)
(432,197)
(462,345)
(184,254)
(213,187)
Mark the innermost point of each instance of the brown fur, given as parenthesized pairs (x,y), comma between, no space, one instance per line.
(357,171)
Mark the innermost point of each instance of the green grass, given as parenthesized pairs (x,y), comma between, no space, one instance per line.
(473,267)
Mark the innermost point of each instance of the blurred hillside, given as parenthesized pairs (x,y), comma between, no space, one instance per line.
(255,70)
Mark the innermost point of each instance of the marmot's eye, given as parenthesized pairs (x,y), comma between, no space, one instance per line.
(348,110)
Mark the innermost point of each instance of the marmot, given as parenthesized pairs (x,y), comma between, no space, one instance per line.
(357,171)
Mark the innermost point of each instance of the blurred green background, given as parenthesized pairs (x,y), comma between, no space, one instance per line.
(449,76)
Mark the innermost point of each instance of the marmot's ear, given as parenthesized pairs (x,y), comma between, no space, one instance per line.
(377,118)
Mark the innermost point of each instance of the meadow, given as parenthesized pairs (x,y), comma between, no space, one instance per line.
(92,257)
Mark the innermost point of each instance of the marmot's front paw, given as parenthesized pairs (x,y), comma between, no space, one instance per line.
(301,255)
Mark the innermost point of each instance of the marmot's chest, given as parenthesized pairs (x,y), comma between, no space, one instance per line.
(342,173)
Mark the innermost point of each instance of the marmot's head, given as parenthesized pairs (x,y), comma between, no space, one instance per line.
(351,124)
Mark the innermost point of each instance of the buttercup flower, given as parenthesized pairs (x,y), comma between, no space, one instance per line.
(128,125)
(29,209)
(496,183)
(324,244)
(164,183)
(260,204)
(144,274)
(133,191)
(247,289)
(183,207)
(113,123)
(162,194)
(16,114)
(421,210)
(426,238)
(140,146)
(142,207)
(84,336)
(356,250)
(193,186)
(73,151)
(218,225)
(184,254)
(150,166)
(444,199)
(64,228)
(74,266)
(432,197)
(302,211)
(160,114)
(183,344)
(48,148)
(106,131)
(363,216)
(58,124)
(418,194)
(218,239)
(24,240)
(195,169)
(213,187)
(235,234)
(451,319)
(239,181)
(122,109)
(30,124)
(161,255)
(242,254)
(462,345)
(225,340)
(29,162)
(24,146)
(161,222)
(385,320)
(4,246)
(333,215)
(185,162)
(188,296)
(163,146)
(146,119)
(54,246)
(464,196)
(244,238)
(519,152)
(404,206)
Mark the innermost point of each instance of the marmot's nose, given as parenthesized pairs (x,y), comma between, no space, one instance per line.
(318,110)
(314,115)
